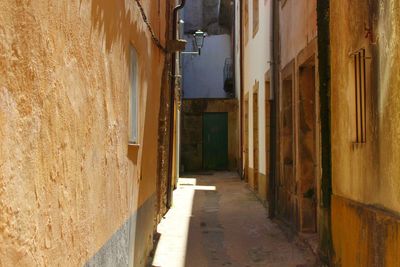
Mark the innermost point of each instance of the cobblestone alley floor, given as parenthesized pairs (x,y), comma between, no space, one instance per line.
(217,221)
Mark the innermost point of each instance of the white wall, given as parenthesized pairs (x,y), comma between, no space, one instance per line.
(256,64)
(203,76)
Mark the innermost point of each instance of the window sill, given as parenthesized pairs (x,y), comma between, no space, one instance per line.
(133,152)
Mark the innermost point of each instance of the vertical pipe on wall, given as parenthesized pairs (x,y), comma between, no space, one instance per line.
(172,104)
(324,69)
(241,106)
(274,62)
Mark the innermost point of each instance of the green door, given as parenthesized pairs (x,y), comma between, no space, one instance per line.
(215,141)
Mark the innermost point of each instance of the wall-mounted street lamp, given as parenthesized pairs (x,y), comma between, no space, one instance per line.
(198,38)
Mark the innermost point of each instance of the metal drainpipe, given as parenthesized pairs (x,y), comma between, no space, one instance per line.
(242,54)
(273,105)
(324,72)
(172,103)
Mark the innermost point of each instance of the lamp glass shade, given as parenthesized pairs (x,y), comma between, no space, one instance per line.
(199,39)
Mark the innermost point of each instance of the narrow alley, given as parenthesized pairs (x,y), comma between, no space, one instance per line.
(200,133)
(218,221)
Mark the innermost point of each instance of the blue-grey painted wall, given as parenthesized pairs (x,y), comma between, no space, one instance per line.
(128,245)
(203,76)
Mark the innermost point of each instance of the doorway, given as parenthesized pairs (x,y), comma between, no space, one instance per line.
(307,147)
(255,138)
(215,141)
(246,138)
(265,189)
(287,199)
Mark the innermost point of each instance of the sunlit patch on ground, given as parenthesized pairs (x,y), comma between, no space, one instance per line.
(216,221)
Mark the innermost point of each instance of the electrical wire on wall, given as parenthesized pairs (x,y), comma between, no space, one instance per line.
(155,39)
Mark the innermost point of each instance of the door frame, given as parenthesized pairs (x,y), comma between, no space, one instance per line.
(246,130)
(227,137)
(304,58)
(256,135)
(287,207)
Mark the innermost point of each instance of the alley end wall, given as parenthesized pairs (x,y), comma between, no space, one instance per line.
(193,111)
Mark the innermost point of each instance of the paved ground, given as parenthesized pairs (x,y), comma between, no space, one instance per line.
(217,221)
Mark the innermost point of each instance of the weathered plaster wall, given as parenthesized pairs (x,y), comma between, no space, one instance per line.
(364,235)
(192,131)
(67,187)
(367,174)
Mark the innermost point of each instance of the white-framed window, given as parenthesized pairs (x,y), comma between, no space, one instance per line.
(133,98)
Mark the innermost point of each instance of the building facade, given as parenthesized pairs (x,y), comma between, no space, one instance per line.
(298,122)
(209,125)
(80,97)
(319,121)
(255,63)
(365,66)
(294,194)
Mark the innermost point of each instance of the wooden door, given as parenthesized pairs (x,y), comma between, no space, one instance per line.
(215,141)
(255,139)
(307,147)
(287,197)
(246,139)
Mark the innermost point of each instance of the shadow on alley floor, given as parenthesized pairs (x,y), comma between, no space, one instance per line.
(217,221)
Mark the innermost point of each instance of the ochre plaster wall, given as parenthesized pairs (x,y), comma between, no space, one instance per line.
(298,27)
(66,183)
(367,174)
(364,235)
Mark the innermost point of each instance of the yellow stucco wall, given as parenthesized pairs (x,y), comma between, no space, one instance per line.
(66,183)
(368,174)
(364,236)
